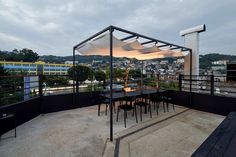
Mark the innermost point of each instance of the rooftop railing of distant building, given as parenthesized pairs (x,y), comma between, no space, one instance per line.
(14,89)
(209,84)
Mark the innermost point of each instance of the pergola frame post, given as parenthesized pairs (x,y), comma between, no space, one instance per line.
(111,83)
(141,83)
(190,78)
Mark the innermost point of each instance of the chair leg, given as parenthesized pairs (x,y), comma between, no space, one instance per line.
(99,106)
(117,116)
(106,108)
(125,113)
(150,110)
(167,106)
(114,106)
(141,118)
(154,106)
(135,112)
(164,106)
(145,109)
(157,106)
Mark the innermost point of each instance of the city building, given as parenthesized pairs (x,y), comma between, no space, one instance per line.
(218,67)
(35,68)
(220,62)
(71,62)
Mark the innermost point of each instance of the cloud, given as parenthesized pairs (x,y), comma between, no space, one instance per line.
(54,26)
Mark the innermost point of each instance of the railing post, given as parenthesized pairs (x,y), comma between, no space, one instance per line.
(77,85)
(180,82)
(212,84)
(40,85)
(41,92)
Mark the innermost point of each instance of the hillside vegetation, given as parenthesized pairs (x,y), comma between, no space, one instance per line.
(31,56)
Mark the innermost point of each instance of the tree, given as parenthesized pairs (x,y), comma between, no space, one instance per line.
(117,73)
(55,80)
(81,74)
(100,76)
(91,75)
(25,55)
(28,55)
(2,71)
(135,73)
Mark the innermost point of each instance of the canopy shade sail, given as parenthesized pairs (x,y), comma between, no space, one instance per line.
(132,49)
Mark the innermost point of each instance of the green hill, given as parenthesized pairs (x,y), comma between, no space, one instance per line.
(206,60)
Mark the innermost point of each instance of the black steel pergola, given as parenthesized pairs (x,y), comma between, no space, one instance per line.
(131,34)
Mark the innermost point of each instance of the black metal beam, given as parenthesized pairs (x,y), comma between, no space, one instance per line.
(184,49)
(147,42)
(146,37)
(129,37)
(174,48)
(133,34)
(90,38)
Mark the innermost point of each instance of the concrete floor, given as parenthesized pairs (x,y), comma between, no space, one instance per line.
(81,133)
(178,136)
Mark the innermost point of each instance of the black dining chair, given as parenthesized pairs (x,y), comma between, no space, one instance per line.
(143,104)
(155,99)
(127,107)
(103,100)
(167,99)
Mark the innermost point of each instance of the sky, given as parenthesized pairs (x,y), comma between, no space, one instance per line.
(53,27)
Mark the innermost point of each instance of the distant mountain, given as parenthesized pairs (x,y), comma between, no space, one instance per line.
(206,60)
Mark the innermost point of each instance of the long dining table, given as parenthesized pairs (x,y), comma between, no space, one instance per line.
(144,93)
(121,95)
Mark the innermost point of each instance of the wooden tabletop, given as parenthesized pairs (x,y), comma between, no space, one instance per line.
(120,95)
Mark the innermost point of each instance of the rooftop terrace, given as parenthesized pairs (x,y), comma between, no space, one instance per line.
(80,132)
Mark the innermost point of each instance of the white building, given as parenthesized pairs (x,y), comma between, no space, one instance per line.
(220,62)
(71,62)
(163,62)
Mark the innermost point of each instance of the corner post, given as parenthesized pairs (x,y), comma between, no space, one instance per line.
(180,82)
(190,87)
(111,79)
(142,76)
(212,84)
(190,72)
(73,95)
(41,92)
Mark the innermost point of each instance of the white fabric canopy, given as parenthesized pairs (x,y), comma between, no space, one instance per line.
(100,46)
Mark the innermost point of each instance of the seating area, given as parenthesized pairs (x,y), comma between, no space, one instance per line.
(146,101)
